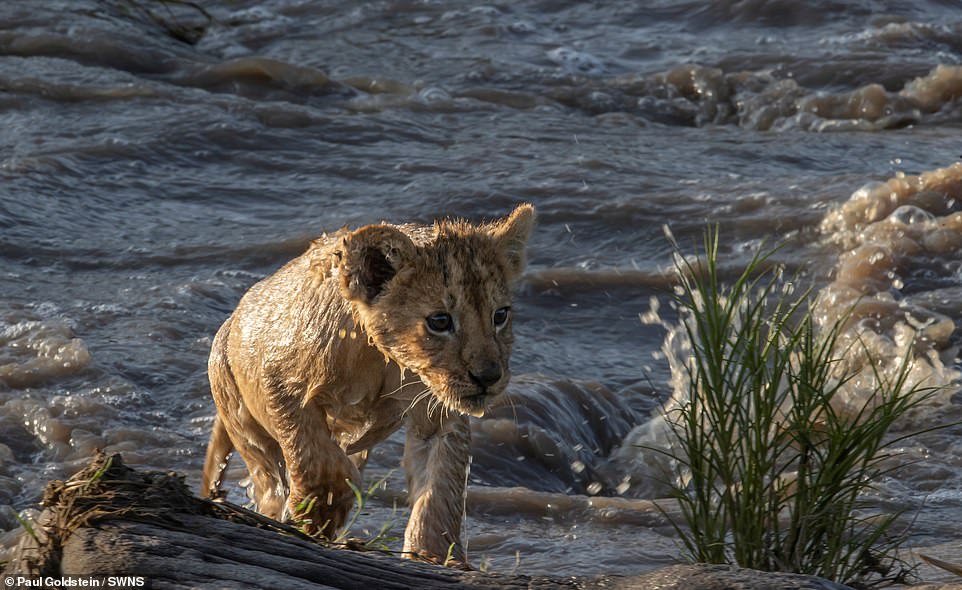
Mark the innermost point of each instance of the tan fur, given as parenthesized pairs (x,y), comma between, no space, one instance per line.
(333,352)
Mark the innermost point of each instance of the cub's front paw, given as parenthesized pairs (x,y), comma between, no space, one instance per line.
(320,515)
(448,560)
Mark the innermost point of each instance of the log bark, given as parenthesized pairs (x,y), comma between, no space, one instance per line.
(110,520)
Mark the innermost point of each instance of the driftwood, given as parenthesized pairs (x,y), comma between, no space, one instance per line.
(110,520)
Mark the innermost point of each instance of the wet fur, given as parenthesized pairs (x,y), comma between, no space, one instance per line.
(331,354)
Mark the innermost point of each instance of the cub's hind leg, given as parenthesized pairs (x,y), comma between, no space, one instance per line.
(235,427)
(265,464)
(219,449)
(262,456)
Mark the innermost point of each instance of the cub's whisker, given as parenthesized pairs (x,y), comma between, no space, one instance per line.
(400,387)
(417,399)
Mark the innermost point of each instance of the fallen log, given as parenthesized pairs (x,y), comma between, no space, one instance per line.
(111,520)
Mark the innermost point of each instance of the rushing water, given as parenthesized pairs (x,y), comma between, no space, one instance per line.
(146,183)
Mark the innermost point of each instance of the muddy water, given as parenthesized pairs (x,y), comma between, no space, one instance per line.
(147,182)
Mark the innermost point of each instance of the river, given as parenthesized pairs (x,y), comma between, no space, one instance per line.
(155,163)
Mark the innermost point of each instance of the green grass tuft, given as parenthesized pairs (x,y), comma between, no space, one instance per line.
(26,526)
(381,538)
(772,475)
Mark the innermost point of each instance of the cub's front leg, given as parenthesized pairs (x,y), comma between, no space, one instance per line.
(437,457)
(319,471)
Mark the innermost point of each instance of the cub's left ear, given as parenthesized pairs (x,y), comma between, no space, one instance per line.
(511,235)
(370,258)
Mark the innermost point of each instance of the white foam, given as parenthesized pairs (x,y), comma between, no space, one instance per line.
(576,62)
(37,351)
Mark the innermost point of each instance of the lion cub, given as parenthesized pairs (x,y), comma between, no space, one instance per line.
(368,329)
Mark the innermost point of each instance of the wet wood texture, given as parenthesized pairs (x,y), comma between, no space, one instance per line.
(182,544)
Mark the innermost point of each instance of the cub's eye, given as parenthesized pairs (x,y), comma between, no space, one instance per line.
(439,323)
(501,316)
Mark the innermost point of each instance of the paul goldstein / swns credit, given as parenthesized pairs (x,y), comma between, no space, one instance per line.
(75,582)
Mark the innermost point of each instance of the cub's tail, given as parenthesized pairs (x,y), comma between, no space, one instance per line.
(215,464)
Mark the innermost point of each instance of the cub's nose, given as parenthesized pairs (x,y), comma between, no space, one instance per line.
(487,376)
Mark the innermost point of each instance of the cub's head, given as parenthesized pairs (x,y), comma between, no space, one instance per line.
(437,300)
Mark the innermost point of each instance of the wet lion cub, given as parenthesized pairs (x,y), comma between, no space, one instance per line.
(365,331)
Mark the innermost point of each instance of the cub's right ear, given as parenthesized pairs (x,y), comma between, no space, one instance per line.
(368,258)
(512,234)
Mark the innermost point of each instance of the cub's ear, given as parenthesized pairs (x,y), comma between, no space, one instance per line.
(369,258)
(511,235)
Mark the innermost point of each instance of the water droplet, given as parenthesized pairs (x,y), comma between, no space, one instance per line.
(910,214)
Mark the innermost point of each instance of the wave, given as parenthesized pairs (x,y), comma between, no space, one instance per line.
(900,242)
(550,435)
(896,289)
(699,95)
(839,80)
(34,352)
